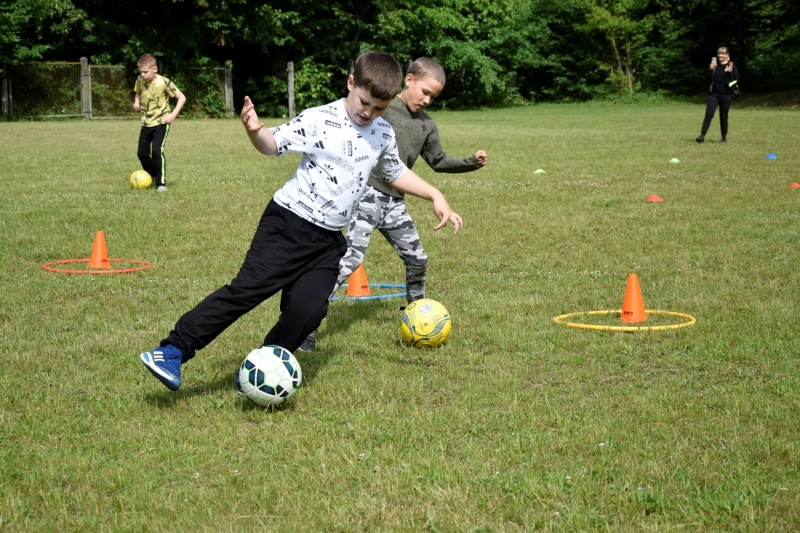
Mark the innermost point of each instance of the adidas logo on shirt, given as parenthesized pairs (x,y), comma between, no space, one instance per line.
(319,145)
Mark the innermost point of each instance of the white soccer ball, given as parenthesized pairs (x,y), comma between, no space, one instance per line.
(269,375)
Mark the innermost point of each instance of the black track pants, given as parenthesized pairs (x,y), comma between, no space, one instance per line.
(723,101)
(151,152)
(288,254)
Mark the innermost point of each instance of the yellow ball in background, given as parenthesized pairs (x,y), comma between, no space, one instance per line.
(425,323)
(141,180)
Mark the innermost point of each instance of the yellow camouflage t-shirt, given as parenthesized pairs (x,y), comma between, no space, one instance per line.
(154,99)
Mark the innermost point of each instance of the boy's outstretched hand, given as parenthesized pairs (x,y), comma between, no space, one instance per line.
(480,155)
(261,137)
(411,183)
(445,214)
(249,116)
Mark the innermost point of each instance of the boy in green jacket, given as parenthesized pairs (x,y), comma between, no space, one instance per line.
(383,207)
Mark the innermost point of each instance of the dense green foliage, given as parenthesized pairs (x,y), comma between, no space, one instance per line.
(495,52)
(33,29)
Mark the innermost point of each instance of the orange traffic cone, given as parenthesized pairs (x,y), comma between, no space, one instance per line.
(633,305)
(653,198)
(99,257)
(357,285)
(794,185)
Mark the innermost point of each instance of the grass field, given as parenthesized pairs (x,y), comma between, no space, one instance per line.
(516,424)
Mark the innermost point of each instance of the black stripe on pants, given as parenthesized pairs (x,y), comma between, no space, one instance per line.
(288,254)
(151,152)
(724,103)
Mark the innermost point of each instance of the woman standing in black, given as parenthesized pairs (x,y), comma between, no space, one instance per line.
(724,77)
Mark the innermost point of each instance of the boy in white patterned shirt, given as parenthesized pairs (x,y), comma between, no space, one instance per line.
(298,243)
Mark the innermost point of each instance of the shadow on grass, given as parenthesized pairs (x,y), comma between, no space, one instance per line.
(340,319)
(342,315)
(223,380)
(420,357)
(168,399)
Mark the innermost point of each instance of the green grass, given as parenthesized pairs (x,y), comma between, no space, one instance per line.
(517,424)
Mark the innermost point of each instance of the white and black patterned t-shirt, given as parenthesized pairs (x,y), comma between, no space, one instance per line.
(338,157)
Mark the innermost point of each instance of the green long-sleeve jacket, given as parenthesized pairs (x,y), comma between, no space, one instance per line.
(417,135)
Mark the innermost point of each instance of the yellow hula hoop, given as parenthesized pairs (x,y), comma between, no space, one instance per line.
(561,321)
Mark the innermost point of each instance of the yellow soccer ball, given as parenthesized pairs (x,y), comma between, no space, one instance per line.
(425,323)
(141,180)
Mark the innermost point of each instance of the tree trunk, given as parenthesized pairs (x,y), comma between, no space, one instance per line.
(629,64)
(741,53)
(616,50)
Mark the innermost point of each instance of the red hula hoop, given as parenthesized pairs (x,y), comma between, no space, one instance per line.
(144,265)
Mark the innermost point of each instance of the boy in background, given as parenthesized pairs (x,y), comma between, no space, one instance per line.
(298,243)
(382,206)
(153,92)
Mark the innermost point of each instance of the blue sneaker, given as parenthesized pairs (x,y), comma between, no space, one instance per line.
(164,362)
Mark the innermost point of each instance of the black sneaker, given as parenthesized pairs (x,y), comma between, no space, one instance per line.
(701,138)
(310,344)
(723,140)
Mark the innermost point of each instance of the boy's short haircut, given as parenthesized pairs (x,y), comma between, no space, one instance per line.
(147,60)
(378,73)
(425,67)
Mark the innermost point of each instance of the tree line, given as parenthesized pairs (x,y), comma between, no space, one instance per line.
(495,52)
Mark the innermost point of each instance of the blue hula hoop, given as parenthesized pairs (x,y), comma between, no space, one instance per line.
(377,296)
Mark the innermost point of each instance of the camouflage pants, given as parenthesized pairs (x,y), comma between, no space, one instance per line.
(387,214)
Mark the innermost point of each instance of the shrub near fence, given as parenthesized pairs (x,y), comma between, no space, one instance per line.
(112,91)
(78,89)
(44,90)
(209,91)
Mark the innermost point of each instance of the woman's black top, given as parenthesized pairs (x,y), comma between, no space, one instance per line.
(721,80)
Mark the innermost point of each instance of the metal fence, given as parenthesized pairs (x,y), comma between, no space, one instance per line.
(78,89)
